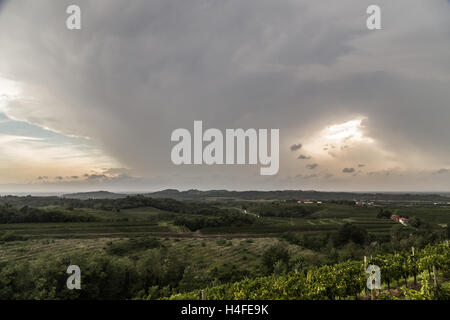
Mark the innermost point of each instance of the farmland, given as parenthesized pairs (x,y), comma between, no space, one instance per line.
(206,242)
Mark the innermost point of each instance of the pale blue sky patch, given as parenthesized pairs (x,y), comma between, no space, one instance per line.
(47,138)
(32,151)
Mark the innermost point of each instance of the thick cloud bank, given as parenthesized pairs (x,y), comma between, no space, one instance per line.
(139,69)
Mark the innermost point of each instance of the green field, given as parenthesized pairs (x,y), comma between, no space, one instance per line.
(209,249)
(151,221)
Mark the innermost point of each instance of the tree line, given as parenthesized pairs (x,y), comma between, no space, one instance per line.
(12,214)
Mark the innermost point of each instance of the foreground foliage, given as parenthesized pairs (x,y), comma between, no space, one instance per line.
(339,281)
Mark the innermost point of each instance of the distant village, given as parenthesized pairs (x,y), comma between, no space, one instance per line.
(358,203)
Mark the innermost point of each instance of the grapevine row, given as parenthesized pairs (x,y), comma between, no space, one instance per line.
(340,281)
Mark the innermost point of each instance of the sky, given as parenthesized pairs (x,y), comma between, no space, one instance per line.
(357,109)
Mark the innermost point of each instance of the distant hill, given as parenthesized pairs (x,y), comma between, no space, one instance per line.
(295,194)
(94,195)
(267,195)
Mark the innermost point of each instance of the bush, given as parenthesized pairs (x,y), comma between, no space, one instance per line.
(273,255)
(351,233)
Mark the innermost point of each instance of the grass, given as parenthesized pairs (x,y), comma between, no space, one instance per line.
(142,221)
(203,253)
(244,252)
(242,245)
(24,250)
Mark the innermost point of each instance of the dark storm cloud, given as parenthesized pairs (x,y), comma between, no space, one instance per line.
(2,2)
(303,157)
(296,147)
(312,166)
(96,176)
(116,171)
(348,170)
(135,72)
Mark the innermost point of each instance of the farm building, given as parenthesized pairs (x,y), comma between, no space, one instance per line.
(399,219)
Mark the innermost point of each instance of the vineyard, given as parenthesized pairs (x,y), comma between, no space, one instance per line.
(143,248)
(346,280)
